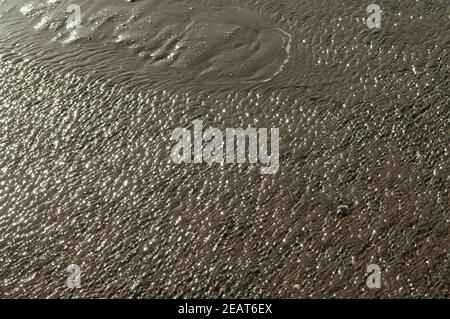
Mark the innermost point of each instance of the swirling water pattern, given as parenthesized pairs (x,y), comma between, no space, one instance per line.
(86,176)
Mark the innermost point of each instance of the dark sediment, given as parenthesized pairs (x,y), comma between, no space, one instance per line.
(86,177)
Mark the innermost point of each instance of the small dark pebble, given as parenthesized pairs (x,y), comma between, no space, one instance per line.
(343,210)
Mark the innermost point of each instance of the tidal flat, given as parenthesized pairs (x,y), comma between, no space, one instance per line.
(86,177)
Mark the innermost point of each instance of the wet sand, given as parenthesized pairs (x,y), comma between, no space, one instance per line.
(86,178)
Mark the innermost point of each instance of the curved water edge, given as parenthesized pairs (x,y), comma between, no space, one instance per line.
(202,43)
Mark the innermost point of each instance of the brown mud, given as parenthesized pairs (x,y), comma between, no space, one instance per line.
(86,178)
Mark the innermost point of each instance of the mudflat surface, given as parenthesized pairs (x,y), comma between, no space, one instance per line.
(86,117)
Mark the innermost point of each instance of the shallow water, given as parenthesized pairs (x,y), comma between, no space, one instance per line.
(86,178)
